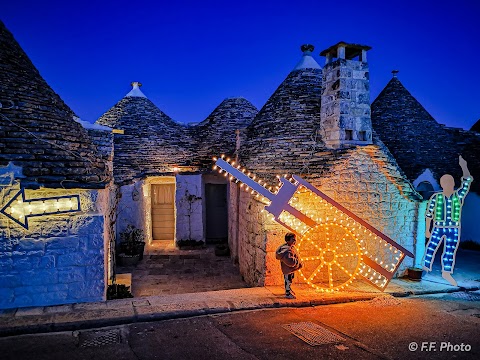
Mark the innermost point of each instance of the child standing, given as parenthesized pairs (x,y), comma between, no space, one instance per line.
(289,261)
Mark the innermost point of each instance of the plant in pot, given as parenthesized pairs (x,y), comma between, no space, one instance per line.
(414,273)
(132,245)
(118,291)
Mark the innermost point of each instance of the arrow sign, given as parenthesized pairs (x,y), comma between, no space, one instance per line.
(19,209)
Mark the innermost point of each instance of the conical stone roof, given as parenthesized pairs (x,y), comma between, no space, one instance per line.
(476,127)
(412,135)
(283,135)
(151,142)
(37,129)
(217,133)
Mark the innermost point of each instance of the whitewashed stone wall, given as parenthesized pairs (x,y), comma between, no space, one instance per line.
(470,224)
(233,217)
(189,203)
(135,206)
(131,208)
(358,183)
(59,259)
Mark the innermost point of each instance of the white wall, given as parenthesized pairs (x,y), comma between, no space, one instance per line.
(470,218)
(189,202)
(131,208)
(58,259)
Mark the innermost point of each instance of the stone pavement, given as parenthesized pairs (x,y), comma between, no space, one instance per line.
(166,270)
(162,307)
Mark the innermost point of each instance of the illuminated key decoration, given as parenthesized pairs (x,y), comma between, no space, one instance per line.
(20,210)
(335,245)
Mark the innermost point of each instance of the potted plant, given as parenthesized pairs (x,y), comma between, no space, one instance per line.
(118,291)
(132,245)
(415,273)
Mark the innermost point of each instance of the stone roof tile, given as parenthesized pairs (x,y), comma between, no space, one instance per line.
(150,142)
(37,128)
(217,133)
(416,140)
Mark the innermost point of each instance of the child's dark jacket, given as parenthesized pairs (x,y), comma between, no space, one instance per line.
(289,259)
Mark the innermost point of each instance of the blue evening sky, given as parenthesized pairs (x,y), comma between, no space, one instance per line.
(190,55)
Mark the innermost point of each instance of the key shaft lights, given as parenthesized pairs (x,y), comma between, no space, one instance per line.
(335,245)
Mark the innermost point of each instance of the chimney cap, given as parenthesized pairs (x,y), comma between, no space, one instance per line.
(307,47)
(351,50)
(136,92)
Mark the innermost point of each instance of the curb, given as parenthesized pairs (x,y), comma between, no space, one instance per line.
(38,327)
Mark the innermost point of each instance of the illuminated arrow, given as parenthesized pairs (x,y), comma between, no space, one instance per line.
(19,209)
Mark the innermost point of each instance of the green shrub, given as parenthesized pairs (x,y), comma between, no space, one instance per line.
(118,291)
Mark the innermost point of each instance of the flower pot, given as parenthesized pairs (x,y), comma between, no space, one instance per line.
(222,250)
(415,274)
(140,248)
(127,260)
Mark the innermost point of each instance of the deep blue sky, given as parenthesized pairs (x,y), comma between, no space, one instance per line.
(190,55)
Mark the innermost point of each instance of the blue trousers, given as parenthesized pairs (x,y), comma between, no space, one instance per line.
(288,282)
(451,238)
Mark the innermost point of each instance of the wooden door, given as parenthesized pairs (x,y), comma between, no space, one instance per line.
(163,212)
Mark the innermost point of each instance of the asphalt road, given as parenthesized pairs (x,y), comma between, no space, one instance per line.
(378,329)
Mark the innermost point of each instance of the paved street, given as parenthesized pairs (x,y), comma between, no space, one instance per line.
(382,328)
(167,270)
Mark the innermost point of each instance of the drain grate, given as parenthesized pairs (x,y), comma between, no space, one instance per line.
(466,296)
(100,338)
(313,334)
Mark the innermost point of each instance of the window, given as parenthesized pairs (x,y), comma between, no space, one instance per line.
(348,134)
(362,135)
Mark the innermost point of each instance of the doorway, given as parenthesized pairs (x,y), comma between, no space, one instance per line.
(217,213)
(163,212)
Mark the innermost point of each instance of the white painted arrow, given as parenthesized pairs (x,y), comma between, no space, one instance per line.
(19,209)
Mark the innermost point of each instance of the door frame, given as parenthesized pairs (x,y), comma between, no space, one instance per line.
(147,191)
(215,179)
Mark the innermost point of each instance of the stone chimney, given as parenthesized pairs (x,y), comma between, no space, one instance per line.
(345,109)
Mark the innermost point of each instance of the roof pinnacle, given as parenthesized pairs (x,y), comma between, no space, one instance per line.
(307,61)
(136,92)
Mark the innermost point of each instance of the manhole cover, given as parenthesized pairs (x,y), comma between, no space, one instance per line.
(100,338)
(466,296)
(313,334)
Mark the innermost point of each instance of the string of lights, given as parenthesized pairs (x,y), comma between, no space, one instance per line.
(336,246)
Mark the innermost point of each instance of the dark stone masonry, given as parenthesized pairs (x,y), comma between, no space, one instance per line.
(37,128)
(418,141)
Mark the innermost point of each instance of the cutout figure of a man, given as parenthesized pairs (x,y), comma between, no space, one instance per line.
(445,210)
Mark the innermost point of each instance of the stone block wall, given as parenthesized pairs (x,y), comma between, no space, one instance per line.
(233,217)
(254,232)
(59,259)
(345,103)
(103,139)
(362,182)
